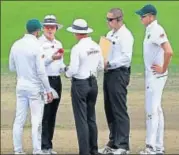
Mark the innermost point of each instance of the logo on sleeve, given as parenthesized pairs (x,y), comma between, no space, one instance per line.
(162,35)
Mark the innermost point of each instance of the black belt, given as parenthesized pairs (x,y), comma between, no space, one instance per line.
(54,77)
(87,79)
(91,80)
(122,68)
(75,79)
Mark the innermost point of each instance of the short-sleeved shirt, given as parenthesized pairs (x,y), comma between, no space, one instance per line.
(53,67)
(152,51)
(85,59)
(122,47)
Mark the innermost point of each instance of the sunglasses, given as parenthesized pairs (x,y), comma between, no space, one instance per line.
(111,19)
(50,27)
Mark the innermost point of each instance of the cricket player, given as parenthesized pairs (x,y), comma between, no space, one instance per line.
(86,58)
(116,80)
(26,61)
(54,65)
(157,54)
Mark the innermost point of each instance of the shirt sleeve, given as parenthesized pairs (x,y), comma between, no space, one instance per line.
(47,58)
(74,63)
(41,72)
(126,48)
(159,36)
(12,66)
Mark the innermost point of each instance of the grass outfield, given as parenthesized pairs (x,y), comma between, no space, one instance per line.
(15,14)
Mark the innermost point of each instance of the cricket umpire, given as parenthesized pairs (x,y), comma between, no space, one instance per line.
(116,80)
(85,59)
(54,66)
(26,61)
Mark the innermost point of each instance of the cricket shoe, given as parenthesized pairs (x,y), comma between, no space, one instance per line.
(40,152)
(106,150)
(52,151)
(160,152)
(21,152)
(148,150)
(121,151)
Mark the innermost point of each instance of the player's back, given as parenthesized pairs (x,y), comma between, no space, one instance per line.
(89,55)
(25,52)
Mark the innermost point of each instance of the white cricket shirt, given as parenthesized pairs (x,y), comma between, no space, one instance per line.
(152,50)
(26,60)
(85,59)
(122,47)
(53,67)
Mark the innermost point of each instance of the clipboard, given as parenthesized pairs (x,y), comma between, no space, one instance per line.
(105,45)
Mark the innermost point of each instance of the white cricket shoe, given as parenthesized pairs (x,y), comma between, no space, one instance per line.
(41,152)
(148,151)
(160,152)
(106,150)
(121,151)
(22,152)
(52,151)
(46,151)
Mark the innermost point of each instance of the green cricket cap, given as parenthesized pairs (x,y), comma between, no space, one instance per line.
(147,9)
(33,25)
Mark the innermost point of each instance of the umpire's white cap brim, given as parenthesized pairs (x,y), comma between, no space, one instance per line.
(56,24)
(72,30)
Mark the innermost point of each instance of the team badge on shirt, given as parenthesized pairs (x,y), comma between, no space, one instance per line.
(148,36)
(42,56)
(162,35)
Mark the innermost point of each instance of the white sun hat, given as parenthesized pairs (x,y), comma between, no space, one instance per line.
(80,26)
(51,20)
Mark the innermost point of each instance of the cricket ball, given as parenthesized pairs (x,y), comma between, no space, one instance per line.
(61,51)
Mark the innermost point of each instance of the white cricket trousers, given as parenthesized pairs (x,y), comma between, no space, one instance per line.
(154,114)
(26,99)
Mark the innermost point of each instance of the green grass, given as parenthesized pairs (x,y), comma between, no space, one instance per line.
(14,15)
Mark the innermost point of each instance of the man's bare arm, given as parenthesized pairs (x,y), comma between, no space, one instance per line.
(168,52)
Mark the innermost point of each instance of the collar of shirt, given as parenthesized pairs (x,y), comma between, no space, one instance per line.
(30,36)
(120,30)
(84,40)
(148,28)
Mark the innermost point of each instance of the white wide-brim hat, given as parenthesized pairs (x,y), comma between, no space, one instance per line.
(51,20)
(80,26)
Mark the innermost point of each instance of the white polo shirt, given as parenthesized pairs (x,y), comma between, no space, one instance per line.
(86,57)
(53,67)
(122,47)
(152,50)
(26,60)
